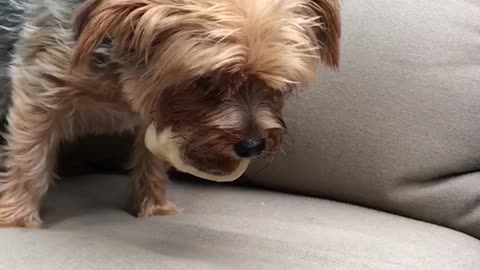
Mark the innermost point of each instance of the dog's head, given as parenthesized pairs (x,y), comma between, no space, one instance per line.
(217,71)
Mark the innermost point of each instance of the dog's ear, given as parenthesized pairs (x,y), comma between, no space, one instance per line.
(93,21)
(126,22)
(328,33)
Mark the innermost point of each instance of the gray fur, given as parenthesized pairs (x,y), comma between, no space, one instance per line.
(12,18)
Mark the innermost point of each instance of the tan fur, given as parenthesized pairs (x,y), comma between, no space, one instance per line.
(162,50)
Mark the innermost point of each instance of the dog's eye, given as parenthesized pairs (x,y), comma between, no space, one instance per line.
(205,84)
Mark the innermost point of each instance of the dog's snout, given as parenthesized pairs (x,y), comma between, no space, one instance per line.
(250,147)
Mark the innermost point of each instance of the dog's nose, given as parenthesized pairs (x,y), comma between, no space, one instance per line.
(250,147)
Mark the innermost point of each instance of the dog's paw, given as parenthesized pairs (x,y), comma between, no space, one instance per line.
(166,209)
(18,215)
(31,221)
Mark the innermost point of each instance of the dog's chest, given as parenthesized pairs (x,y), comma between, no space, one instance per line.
(100,117)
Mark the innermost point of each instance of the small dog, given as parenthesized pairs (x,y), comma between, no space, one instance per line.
(217,71)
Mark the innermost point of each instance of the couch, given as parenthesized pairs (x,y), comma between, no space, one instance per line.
(381,170)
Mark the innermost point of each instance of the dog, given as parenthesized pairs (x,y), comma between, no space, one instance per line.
(218,72)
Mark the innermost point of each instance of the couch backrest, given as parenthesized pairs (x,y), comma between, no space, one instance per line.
(398,128)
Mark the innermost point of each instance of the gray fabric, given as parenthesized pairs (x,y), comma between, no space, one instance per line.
(398,128)
(227,227)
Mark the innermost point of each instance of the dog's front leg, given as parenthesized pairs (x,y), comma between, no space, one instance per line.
(150,181)
(29,158)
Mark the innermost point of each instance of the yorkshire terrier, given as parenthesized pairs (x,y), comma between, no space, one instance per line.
(218,72)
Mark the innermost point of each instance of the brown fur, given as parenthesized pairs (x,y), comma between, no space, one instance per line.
(215,70)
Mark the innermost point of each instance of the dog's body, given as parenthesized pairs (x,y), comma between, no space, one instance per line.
(217,71)
(98,110)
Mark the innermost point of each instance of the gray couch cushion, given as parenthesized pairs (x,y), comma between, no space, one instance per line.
(398,128)
(227,227)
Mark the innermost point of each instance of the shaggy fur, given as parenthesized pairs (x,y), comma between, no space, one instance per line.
(216,71)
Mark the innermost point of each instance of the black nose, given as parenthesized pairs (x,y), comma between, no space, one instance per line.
(250,147)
